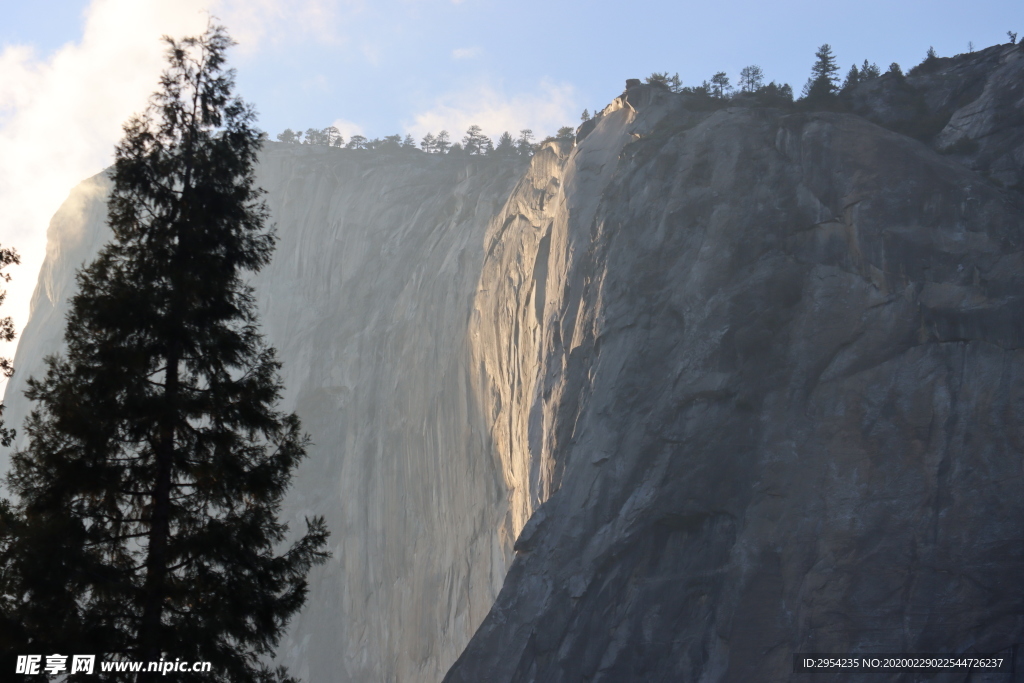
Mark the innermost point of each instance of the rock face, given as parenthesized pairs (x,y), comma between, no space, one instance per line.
(970,106)
(367,300)
(768,371)
(727,383)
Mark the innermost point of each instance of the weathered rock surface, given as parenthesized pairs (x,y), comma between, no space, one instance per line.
(768,372)
(367,300)
(970,106)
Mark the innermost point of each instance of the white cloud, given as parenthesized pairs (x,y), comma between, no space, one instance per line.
(466,52)
(545,110)
(61,114)
(348,128)
(257,22)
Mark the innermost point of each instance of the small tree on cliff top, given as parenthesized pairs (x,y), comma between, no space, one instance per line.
(441,143)
(524,143)
(824,80)
(475,142)
(157,462)
(751,78)
(506,145)
(720,84)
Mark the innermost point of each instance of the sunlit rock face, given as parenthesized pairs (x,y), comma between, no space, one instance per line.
(368,301)
(765,372)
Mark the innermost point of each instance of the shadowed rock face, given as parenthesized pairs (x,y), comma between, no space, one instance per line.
(970,106)
(777,389)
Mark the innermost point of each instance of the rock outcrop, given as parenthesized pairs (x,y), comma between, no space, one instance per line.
(970,106)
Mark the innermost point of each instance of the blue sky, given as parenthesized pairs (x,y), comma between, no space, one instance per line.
(381,64)
(71,71)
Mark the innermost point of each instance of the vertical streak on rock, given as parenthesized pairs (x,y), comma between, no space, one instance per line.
(535,313)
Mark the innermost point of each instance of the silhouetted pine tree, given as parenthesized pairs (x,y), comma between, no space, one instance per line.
(852,78)
(524,143)
(751,78)
(428,142)
(441,142)
(720,84)
(506,145)
(868,71)
(824,80)
(157,462)
(475,142)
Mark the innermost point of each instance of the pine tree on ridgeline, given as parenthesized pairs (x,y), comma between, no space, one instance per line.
(475,142)
(524,143)
(751,78)
(289,136)
(441,143)
(332,137)
(146,524)
(852,78)
(720,85)
(506,145)
(427,143)
(824,80)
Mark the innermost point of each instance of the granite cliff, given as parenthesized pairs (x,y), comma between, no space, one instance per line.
(367,300)
(771,379)
(703,388)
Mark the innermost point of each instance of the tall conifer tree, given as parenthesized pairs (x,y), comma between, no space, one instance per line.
(506,145)
(157,461)
(824,80)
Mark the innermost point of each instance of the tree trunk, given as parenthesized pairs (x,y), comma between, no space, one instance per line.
(154,589)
